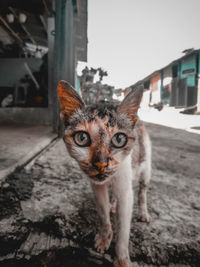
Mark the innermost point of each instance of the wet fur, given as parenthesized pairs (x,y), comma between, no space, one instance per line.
(123,165)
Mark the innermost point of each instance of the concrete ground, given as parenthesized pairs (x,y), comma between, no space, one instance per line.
(171,117)
(19,143)
(48,216)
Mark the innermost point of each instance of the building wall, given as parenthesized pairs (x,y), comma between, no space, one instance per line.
(80,22)
(166,84)
(167,75)
(13,69)
(26,115)
(63,58)
(198,85)
(188,69)
(155,89)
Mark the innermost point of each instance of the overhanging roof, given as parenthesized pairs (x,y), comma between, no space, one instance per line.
(159,70)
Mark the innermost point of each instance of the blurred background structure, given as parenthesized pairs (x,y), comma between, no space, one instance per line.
(177,84)
(40,43)
(95,92)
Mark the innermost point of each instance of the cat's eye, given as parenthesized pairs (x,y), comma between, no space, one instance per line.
(119,140)
(82,139)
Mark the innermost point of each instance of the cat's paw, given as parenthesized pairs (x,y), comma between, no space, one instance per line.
(145,217)
(104,238)
(122,263)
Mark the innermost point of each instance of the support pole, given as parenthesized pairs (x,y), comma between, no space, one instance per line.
(51,85)
(64,53)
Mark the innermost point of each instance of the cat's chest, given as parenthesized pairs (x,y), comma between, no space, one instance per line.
(129,167)
(125,168)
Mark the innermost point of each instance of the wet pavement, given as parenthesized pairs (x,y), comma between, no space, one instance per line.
(48,215)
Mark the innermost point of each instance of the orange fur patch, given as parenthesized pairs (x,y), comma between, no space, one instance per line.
(68,98)
(101,165)
(64,96)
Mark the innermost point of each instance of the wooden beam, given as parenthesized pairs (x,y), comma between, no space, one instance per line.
(31,75)
(46,8)
(11,30)
(23,26)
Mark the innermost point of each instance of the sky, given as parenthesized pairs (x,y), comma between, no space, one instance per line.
(132,38)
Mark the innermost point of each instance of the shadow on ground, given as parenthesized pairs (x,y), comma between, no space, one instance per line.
(48,216)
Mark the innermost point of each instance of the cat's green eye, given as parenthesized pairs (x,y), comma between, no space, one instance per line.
(119,140)
(82,139)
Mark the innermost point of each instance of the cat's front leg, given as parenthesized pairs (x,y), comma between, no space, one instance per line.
(124,194)
(105,235)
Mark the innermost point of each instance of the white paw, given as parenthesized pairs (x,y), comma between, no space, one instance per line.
(145,217)
(104,238)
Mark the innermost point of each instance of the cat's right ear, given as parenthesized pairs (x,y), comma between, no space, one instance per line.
(131,104)
(69,100)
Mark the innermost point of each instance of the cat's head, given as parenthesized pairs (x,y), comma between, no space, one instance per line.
(100,136)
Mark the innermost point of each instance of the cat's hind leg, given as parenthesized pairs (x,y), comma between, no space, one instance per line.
(105,235)
(144,179)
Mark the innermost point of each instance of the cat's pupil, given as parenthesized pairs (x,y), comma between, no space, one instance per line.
(82,139)
(119,138)
(82,136)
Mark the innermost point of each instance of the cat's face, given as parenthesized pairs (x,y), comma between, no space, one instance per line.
(98,137)
(99,143)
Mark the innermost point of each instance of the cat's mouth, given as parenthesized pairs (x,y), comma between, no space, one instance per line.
(95,175)
(101,177)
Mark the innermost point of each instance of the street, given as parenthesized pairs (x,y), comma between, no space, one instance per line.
(48,215)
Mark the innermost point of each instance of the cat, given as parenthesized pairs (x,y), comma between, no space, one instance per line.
(112,146)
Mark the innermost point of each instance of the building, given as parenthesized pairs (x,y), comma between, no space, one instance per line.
(177,84)
(40,44)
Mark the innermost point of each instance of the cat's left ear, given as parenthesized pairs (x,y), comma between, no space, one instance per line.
(69,100)
(131,103)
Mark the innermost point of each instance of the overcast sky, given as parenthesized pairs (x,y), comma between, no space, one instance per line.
(132,38)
